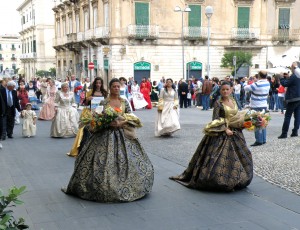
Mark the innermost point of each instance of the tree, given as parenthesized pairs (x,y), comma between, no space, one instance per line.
(242,58)
(52,72)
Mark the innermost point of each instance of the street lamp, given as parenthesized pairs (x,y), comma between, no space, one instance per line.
(186,10)
(208,12)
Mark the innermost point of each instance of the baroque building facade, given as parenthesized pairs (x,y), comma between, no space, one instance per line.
(10,52)
(145,38)
(36,35)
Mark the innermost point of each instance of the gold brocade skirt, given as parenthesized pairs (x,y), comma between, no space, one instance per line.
(221,163)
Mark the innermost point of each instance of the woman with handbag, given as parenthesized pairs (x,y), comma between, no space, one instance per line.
(167,119)
(83,133)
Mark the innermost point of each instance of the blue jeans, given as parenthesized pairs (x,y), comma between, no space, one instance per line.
(273,102)
(281,103)
(260,133)
(238,100)
(205,101)
(291,107)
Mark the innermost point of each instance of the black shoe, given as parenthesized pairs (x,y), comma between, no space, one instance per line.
(282,136)
(294,135)
(10,136)
(256,144)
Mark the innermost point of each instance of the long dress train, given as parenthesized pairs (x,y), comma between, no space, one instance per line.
(220,162)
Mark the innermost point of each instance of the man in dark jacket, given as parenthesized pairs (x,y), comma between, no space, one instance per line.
(183,90)
(292,98)
(11,103)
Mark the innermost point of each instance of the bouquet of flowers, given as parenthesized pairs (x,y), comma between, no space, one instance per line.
(100,119)
(255,119)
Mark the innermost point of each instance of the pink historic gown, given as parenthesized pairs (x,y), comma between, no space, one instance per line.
(48,110)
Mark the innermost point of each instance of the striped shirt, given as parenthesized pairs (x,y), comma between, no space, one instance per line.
(259,93)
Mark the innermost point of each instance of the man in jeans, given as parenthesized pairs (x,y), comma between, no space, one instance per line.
(292,98)
(206,91)
(259,102)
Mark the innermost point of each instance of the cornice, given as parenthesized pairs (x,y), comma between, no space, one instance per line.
(195,1)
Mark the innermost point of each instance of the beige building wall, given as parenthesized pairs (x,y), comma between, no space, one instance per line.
(113,36)
(10,52)
(37,33)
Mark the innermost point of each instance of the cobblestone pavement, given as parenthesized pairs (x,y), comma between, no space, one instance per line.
(278,161)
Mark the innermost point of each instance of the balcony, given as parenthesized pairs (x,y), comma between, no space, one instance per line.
(80,36)
(102,32)
(143,31)
(72,38)
(195,33)
(245,34)
(28,56)
(89,34)
(13,48)
(13,58)
(286,35)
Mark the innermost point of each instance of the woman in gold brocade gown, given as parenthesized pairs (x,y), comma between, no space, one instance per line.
(112,167)
(83,133)
(222,160)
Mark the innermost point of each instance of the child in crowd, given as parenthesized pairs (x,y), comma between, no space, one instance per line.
(29,121)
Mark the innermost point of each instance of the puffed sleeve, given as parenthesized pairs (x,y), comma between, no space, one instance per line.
(218,123)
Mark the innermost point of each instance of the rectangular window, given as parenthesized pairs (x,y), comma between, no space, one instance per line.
(243,23)
(283,23)
(1,67)
(195,16)
(77,23)
(142,19)
(284,18)
(95,24)
(34,46)
(1,57)
(106,15)
(13,66)
(243,17)
(13,47)
(86,65)
(31,46)
(194,21)
(86,20)
(70,24)
(23,19)
(141,13)
(0,47)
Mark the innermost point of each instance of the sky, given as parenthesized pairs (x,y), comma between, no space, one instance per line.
(10,20)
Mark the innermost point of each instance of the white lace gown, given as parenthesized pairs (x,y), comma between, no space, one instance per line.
(65,122)
(167,121)
(28,128)
(137,97)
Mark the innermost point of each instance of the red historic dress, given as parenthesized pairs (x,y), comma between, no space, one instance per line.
(145,89)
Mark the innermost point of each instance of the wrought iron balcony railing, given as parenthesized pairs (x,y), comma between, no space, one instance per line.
(28,55)
(245,34)
(195,33)
(286,35)
(143,31)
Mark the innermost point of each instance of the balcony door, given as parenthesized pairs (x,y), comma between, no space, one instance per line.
(284,24)
(243,22)
(194,21)
(142,19)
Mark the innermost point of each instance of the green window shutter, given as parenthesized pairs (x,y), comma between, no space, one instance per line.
(141,13)
(284,18)
(0,47)
(0,56)
(243,17)
(195,16)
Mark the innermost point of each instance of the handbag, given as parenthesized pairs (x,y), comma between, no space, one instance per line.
(189,96)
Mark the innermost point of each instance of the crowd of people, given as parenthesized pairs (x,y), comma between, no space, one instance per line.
(124,172)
